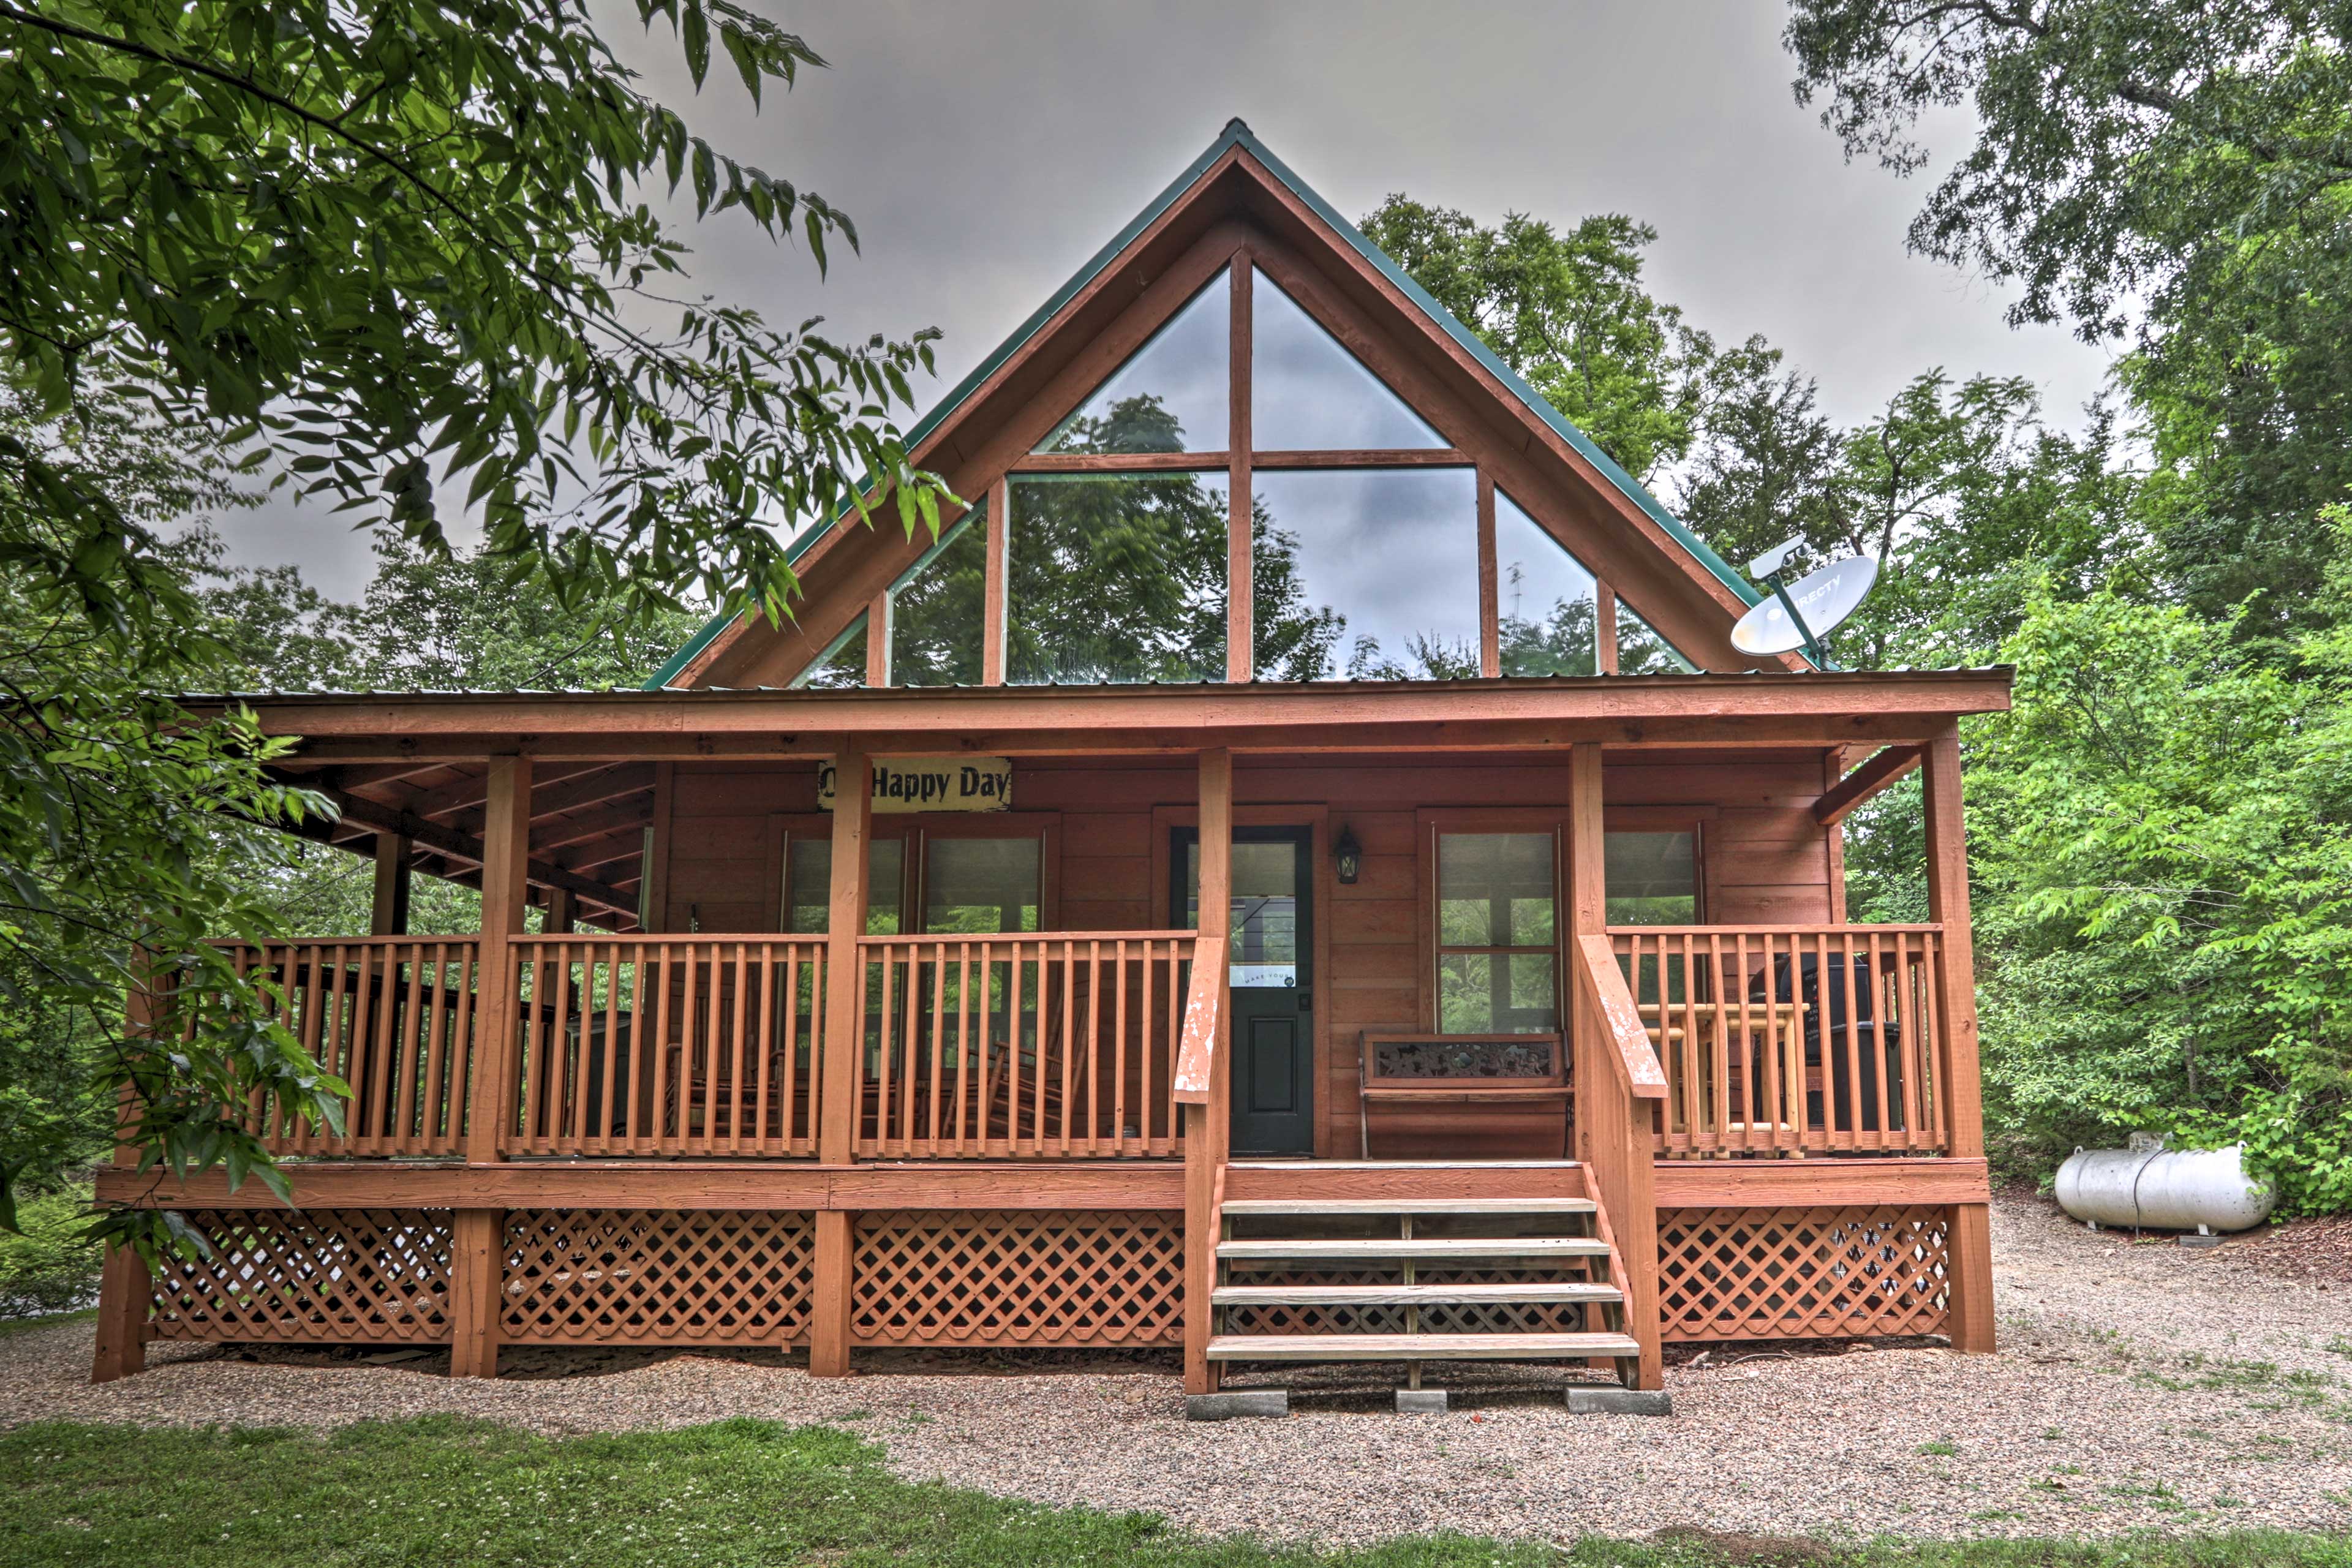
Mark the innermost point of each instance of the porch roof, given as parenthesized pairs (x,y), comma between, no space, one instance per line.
(414,763)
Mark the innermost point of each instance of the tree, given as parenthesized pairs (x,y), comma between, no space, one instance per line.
(391,248)
(2189,160)
(1569,314)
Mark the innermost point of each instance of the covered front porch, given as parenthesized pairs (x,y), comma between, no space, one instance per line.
(697,991)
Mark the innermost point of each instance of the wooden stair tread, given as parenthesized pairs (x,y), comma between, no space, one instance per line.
(1305,1164)
(1433,1246)
(1407,1205)
(1419,1347)
(1407,1295)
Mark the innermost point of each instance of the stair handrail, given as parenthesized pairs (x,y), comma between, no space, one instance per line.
(1196,1049)
(1636,1061)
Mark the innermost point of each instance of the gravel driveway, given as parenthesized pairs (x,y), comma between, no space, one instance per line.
(2138,1386)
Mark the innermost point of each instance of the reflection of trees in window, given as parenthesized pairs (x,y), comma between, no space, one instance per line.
(938,612)
(1181,372)
(1497,940)
(1558,641)
(1547,611)
(843,664)
(1641,651)
(1370,574)
(1290,640)
(1117,576)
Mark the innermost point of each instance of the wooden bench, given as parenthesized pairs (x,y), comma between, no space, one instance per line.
(1408,1070)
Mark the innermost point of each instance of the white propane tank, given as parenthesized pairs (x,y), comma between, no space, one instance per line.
(2158,1188)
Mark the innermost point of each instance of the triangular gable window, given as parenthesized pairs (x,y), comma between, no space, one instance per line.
(938,620)
(842,665)
(1307,392)
(1547,609)
(1641,651)
(1171,394)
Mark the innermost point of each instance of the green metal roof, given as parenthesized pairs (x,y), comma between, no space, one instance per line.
(1237,134)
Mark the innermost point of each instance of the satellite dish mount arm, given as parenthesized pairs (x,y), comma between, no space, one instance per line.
(1813,650)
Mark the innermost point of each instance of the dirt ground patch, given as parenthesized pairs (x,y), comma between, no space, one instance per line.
(2138,1387)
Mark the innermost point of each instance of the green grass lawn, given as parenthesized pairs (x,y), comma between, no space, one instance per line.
(445,1490)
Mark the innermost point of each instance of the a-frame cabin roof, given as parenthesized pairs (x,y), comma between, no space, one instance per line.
(1234,194)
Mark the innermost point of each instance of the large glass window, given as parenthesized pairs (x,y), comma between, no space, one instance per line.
(1497,947)
(1641,651)
(1365,574)
(980,884)
(808,884)
(1116,578)
(938,610)
(1172,393)
(1652,879)
(843,664)
(1546,610)
(1306,393)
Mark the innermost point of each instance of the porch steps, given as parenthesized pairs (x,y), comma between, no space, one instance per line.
(1419,1347)
(1427,1261)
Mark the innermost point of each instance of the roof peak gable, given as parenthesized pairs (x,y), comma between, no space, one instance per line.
(1237,138)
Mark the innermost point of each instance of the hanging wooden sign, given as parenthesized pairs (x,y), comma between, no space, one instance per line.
(931,783)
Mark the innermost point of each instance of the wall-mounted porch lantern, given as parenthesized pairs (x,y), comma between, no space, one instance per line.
(1347,856)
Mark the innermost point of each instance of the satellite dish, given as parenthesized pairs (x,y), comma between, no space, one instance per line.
(1800,614)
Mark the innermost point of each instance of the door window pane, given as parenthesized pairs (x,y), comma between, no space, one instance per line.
(808,884)
(842,665)
(1653,879)
(1365,574)
(1116,578)
(937,613)
(1263,950)
(1547,609)
(1308,393)
(1497,968)
(1641,651)
(1172,393)
(980,884)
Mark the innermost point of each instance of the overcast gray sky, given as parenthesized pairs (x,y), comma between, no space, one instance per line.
(987,148)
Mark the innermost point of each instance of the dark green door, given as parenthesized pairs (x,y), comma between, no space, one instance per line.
(1271,955)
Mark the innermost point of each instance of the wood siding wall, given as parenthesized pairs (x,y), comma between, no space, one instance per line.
(1764,857)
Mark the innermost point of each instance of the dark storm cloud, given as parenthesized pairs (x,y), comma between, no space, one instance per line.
(987,149)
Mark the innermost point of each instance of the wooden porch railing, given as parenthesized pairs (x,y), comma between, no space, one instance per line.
(391,1016)
(1058,1045)
(667,1045)
(1791,1039)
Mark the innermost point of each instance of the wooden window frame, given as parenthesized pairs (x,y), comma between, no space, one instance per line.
(1429,823)
(917,829)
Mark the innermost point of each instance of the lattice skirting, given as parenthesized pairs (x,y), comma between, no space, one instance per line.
(1018,1278)
(606,1277)
(1802,1273)
(334,1276)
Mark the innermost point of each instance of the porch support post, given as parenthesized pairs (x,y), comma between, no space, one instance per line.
(1208,1128)
(841,1066)
(125,1292)
(1612,1127)
(477,1248)
(1971,1276)
(393,853)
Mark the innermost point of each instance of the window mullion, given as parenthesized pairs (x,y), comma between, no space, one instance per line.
(1239,578)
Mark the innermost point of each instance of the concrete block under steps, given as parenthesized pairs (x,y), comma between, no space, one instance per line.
(1236,1404)
(1594,1401)
(1421,1400)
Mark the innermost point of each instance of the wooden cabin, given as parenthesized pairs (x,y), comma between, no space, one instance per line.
(1295,870)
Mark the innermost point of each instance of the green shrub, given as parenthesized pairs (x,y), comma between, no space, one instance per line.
(51,1266)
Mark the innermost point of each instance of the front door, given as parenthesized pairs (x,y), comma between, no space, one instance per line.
(1270,954)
